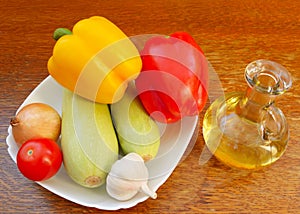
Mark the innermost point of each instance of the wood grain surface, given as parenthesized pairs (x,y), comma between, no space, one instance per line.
(232,33)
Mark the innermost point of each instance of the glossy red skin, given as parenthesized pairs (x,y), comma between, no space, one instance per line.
(174,77)
(39,159)
(184,36)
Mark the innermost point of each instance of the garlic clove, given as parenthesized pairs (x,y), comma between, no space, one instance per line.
(131,167)
(145,189)
(127,177)
(115,192)
(121,189)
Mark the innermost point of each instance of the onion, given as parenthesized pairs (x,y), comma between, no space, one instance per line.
(36,120)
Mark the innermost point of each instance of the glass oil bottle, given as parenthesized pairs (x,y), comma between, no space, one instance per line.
(245,129)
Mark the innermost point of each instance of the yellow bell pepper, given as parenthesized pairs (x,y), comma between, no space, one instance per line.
(95,61)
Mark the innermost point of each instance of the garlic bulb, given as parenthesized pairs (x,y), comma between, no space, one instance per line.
(127,177)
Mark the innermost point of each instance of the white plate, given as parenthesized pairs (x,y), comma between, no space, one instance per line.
(175,140)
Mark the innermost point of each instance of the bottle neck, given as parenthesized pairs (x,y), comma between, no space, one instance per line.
(266,80)
(253,102)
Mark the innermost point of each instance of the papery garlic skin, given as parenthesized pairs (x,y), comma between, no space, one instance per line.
(127,177)
(121,189)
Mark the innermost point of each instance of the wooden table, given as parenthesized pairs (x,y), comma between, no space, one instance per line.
(231,33)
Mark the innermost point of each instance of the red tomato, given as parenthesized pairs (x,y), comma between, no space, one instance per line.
(39,159)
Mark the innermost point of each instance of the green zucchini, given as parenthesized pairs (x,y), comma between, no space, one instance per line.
(136,130)
(88,140)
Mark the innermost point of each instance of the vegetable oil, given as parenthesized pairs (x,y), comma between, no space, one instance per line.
(246,130)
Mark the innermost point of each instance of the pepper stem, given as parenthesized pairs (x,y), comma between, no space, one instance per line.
(59,32)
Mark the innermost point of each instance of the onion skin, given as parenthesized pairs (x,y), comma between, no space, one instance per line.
(36,120)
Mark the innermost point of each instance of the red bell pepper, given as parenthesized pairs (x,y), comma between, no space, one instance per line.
(174,77)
